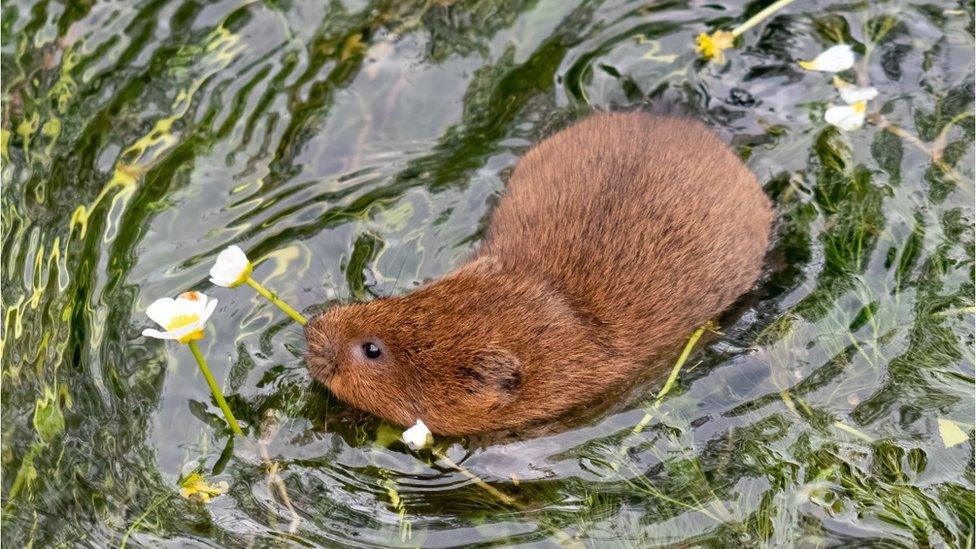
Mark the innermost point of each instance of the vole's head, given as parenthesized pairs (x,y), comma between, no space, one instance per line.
(468,353)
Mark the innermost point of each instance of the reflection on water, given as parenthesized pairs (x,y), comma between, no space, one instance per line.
(355,150)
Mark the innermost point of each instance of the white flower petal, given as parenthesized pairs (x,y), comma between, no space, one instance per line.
(149,332)
(188,312)
(231,267)
(235,253)
(179,333)
(846,117)
(193,303)
(211,305)
(418,436)
(835,59)
(836,113)
(850,123)
(852,94)
(162,311)
(856,94)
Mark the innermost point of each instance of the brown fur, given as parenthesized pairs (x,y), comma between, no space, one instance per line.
(617,237)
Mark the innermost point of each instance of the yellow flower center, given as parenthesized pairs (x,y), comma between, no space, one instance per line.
(179,321)
(243,276)
(712,46)
(192,336)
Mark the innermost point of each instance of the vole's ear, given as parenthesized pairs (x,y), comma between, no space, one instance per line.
(502,371)
(493,371)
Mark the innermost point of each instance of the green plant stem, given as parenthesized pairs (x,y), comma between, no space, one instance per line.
(672,378)
(128,531)
(682,358)
(756,19)
(215,389)
(956,311)
(268,432)
(270,296)
(505,499)
(848,429)
(562,537)
(723,513)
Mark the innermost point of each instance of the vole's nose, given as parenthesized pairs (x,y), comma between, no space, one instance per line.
(320,353)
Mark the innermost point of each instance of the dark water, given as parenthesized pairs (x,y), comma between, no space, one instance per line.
(354,150)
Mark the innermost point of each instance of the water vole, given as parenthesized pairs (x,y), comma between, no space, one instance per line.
(615,239)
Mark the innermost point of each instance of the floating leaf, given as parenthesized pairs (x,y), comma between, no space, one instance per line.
(951,433)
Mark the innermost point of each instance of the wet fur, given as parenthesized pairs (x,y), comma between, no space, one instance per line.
(616,238)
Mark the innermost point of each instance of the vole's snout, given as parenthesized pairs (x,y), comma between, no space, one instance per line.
(320,352)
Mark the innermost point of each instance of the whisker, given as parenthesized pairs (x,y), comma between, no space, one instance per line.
(399,272)
(293,328)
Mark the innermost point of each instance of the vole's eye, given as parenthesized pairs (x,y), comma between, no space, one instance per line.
(371,350)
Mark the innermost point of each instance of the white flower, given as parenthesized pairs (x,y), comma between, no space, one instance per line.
(183,318)
(854,94)
(418,436)
(231,269)
(835,59)
(847,117)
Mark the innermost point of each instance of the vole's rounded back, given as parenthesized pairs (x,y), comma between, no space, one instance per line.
(616,238)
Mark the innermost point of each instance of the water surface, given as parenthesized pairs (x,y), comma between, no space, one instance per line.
(355,149)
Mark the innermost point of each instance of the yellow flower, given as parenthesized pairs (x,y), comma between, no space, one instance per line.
(196,488)
(183,318)
(711,46)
